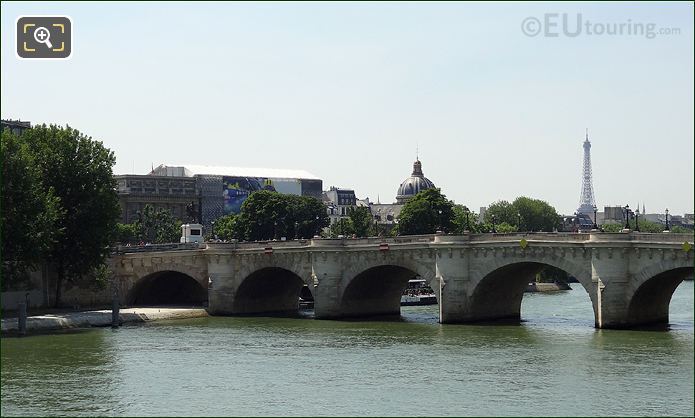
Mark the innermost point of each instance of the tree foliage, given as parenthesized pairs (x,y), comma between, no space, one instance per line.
(427,212)
(157,226)
(524,214)
(228,228)
(79,171)
(270,215)
(535,215)
(343,227)
(467,220)
(361,220)
(30,211)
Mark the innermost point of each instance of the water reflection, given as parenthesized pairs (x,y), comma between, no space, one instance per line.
(40,374)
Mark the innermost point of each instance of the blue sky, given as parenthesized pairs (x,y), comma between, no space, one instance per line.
(347,91)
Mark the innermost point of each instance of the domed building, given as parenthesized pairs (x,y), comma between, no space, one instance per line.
(414,184)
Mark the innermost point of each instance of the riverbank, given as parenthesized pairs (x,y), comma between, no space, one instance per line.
(547,287)
(98,318)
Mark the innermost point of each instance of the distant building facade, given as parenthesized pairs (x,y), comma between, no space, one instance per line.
(17,127)
(339,202)
(194,193)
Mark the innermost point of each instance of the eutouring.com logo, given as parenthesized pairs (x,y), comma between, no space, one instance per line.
(553,25)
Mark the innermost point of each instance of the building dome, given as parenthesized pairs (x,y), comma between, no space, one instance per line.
(414,184)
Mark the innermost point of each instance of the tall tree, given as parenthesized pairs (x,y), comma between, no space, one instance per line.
(79,170)
(361,221)
(157,226)
(425,213)
(503,211)
(467,220)
(28,224)
(270,215)
(535,215)
(342,227)
(228,228)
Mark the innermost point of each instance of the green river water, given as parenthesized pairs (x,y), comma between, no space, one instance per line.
(554,363)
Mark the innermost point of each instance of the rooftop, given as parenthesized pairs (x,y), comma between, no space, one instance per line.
(191,170)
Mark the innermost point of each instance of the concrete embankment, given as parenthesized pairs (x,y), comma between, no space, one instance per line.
(99,318)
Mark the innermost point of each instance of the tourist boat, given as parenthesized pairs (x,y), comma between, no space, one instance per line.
(418,292)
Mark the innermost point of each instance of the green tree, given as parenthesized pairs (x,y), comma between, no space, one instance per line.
(612,227)
(127,233)
(425,213)
(505,228)
(270,215)
(467,220)
(30,212)
(503,212)
(79,171)
(361,221)
(157,226)
(535,215)
(228,228)
(342,227)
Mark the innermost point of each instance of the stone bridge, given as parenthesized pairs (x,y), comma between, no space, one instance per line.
(629,277)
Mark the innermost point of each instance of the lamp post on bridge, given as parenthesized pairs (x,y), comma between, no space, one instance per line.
(668,229)
(627,217)
(595,226)
(637,219)
(494,231)
(575,220)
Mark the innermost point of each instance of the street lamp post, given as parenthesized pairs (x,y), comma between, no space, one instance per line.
(468,226)
(627,216)
(595,224)
(518,222)
(637,219)
(493,224)
(296,226)
(575,221)
(440,221)
(275,229)
(667,227)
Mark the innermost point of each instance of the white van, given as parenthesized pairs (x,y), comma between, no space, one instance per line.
(191,233)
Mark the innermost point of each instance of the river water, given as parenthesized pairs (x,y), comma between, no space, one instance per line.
(554,363)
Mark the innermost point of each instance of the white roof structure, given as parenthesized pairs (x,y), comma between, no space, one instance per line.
(190,170)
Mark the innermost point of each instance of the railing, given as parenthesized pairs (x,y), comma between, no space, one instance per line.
(125,249)
(415,239)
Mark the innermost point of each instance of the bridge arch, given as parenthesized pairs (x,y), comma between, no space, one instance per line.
(167,287)
(269,290)
(650,295)
(499,290)
(375,287)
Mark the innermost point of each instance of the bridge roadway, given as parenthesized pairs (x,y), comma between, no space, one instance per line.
(629,277)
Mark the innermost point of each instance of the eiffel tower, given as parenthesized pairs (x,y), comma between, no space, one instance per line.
(586,198)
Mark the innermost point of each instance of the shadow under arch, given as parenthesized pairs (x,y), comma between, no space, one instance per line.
(269,291)
(649,305)
(498,296)
(167,287)
(376,291)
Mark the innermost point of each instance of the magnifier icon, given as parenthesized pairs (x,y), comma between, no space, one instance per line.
(43,36)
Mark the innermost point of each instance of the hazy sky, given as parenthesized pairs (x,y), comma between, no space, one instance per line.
(348,91)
